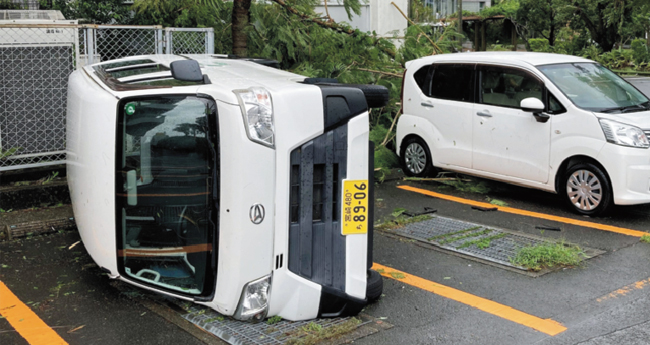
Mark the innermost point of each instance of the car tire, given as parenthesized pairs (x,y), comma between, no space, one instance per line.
(587,189)
(415,158)
(375,286)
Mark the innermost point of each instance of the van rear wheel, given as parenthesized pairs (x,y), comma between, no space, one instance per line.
(587,189)
(416,158)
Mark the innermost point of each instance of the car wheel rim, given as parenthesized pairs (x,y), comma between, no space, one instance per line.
(584,190)
(415,157)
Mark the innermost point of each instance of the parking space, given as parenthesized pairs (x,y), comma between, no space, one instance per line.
(597,300)
(431,295)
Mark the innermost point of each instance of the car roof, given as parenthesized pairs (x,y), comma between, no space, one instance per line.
(514,58)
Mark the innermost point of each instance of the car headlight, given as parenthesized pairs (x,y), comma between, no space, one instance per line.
(257,108)
(622,134)
(254,301)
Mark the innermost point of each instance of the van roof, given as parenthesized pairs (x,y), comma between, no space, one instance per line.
(153,72)
(516,58)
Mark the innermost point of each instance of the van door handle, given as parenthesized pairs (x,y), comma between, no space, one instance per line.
(480,113)
(426,104)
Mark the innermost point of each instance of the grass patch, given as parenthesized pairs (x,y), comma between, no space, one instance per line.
(497,202)
(313,333)
(548,255)
(273,320)
(482,243)
(645,238)
(399,220)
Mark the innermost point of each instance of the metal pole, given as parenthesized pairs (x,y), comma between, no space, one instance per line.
(460,23)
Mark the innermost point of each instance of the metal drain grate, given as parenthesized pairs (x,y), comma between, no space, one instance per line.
(463,237)
(239,333)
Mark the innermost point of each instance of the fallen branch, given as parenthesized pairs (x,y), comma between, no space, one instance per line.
(381,72)
(435,46)
(328,25)
(435,179)
(386,139)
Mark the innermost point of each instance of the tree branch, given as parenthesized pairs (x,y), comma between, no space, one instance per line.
(381,72)
(328,25)
(435,46)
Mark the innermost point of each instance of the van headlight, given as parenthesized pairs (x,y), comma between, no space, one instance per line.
(625,135)
(254,301)
(257,108)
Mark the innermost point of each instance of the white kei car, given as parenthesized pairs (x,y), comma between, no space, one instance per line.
(553,122)
(225,182)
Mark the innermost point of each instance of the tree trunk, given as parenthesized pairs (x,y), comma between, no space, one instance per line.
(240,19)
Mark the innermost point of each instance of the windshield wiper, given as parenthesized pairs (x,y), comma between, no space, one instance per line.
(625,109)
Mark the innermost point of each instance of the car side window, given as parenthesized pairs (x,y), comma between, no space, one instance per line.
(453,82)
(507,87)
(554,106)
(421,79)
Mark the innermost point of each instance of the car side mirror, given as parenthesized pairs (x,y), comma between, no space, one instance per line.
(535,106)
(531,105)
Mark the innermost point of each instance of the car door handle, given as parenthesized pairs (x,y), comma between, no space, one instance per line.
(426,104)
(480,113)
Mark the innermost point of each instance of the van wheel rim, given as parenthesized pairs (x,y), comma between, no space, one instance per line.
(415,157)
(584,190)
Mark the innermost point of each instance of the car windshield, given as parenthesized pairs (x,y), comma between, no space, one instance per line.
(593,87)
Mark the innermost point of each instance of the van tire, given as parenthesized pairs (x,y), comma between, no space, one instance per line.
(579,180)
(415,148)
(375,286)
(377,96)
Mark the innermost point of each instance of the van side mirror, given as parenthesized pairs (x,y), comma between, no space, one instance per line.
(186,70)
(535,106)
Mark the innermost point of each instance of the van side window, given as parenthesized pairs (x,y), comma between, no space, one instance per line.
(453,82)
(507,87)
(421,79)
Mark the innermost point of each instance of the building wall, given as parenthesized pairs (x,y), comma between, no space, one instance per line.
(379,16)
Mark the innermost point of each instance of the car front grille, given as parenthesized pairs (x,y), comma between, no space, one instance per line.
(316,246)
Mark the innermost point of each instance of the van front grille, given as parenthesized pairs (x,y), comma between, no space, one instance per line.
(316,246)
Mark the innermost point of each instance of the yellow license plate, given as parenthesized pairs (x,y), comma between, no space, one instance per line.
(355,207)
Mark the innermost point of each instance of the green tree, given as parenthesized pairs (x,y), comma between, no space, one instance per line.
(91,11)
(607,21)
(543,17)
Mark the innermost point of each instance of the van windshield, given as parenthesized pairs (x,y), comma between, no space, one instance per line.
(595,88)
(167,148)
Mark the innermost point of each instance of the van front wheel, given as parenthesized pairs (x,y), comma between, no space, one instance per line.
(416,158)
(587,189)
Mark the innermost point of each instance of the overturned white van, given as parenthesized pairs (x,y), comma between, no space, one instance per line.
(225,182)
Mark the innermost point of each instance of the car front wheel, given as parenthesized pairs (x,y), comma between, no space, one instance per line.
(587,189)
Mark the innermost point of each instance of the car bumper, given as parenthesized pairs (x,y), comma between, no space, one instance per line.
(629,173)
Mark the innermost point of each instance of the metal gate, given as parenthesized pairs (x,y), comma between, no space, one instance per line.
(36,61)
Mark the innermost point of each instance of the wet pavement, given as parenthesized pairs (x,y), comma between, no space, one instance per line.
(66,290)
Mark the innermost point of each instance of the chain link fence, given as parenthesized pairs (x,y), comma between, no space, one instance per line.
(35,62)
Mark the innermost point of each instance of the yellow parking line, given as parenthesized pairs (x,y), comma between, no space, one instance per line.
(547,326)
(640,285)
(25,321)
(517,211)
